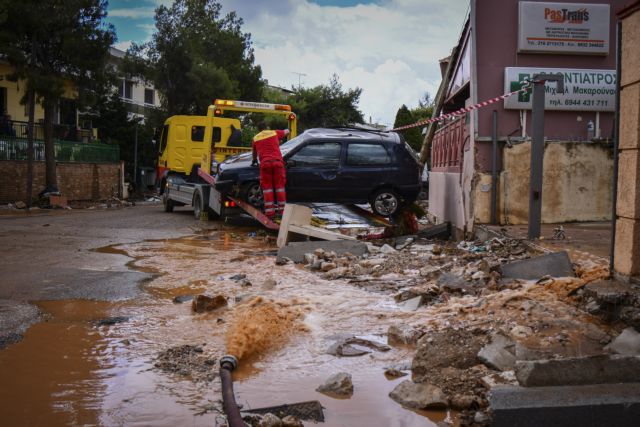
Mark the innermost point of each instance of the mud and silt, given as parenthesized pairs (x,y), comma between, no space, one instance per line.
(157,365)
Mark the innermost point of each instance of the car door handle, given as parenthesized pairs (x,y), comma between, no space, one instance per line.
(328,176)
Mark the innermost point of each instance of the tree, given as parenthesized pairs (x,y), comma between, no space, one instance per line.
(49,44)
(196,56)
(406,116)
(413,136)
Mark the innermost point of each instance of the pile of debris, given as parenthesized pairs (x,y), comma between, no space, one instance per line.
(487,306)
(190,361)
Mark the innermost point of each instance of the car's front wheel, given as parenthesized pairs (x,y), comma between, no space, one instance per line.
(252,193)
(385,202)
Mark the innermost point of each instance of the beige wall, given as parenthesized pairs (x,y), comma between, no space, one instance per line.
(627,247)
(576,184)
(77,181)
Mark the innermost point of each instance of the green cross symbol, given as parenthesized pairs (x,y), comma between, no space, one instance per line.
(517,85)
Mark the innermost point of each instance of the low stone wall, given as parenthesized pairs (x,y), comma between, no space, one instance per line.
(77,181)
(576,186)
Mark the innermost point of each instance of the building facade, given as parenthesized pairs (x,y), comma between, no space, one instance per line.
(504,43)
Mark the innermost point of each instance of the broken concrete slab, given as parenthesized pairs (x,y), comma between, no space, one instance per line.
(627,343)
(556,264)
(586,406)
(499,353)
(610,292)
(418,395)
(602,369)
(296,250)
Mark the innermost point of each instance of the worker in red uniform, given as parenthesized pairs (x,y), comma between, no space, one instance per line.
(266,148)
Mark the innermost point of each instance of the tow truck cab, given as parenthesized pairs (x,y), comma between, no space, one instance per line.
(191,142)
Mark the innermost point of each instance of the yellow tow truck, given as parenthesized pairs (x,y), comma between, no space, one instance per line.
(192,146)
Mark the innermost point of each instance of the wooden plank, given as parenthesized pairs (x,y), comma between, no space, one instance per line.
(255,213)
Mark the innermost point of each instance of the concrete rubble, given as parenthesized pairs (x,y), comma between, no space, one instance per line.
(493,307)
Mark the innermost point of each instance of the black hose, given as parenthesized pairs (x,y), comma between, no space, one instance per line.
(227,365)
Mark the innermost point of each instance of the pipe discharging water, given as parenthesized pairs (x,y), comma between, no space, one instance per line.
(258,326)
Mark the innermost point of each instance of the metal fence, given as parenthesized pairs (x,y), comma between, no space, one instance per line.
(66,151)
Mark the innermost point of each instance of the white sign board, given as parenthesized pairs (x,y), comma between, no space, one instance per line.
(574,28)
(584,90)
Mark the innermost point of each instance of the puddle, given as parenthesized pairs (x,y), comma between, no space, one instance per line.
(70,371)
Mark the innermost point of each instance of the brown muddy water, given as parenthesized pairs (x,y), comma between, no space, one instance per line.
(74,370)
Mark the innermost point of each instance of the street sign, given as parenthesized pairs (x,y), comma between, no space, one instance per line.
(584,90)
(574,28)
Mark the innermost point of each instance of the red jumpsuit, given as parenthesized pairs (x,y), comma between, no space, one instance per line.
(272,174)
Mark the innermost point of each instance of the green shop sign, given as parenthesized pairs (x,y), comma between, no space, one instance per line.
(585,90)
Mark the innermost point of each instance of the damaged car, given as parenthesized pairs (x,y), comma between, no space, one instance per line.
(335,165)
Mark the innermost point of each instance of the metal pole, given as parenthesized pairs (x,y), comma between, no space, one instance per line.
(537,156)
(135,159)
(494,171)
(537,148)
(616,136)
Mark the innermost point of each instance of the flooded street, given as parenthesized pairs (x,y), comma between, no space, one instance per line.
(92,362)
(115,340)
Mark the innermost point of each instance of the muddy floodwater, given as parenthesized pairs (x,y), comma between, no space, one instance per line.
(93,363)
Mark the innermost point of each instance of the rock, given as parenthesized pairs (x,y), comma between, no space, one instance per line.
(386,249)
(450,282)
(270,420)
(244,283)
(20,204)
(110,321)
(437,250)
(431,271)
(269,284)
(202,303)
(372,262)
(479,275)
(327,266)
(283,260)
(481,418)
(412,304)
(309,259)
(428,293)
(182,298)
(394,373)
(372,249)
(418,395)
(354,346)
(464,401)
(330,255)
(319,253)
(339,384)
(499,353)
(521,331)
(336,273)
(631,316)
(499,378)
(403,334)
(627,343)
(238,277)
(291,421)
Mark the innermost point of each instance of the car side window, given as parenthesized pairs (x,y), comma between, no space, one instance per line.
(322,154)
(367,154)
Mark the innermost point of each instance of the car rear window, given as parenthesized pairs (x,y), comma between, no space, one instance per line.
(322,154)
(367,154)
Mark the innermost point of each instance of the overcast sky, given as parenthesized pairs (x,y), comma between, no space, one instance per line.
(389,48)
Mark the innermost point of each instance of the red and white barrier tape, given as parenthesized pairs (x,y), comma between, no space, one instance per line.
(462,110)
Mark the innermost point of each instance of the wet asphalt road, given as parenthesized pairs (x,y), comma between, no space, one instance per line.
(52,255)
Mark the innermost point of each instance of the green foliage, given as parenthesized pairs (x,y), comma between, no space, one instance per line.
(50,43)
(116,128)
(319,106)
(405,116)
(196,56)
